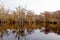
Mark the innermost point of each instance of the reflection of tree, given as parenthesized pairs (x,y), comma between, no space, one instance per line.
(20,33)
(29,31)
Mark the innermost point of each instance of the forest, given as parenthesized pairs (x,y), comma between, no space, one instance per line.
(22,18)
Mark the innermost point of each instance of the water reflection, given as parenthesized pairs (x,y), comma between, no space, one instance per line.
(48,30)
(24,34)
(28,33)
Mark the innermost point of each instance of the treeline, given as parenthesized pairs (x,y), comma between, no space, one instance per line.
(28,19)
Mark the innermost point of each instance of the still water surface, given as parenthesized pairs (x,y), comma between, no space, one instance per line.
(36,34)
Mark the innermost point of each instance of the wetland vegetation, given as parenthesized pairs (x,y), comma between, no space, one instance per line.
(23,22)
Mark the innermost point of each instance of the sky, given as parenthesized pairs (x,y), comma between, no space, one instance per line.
(36,5)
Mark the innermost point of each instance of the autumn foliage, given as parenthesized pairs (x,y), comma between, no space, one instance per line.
(28,19)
